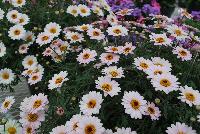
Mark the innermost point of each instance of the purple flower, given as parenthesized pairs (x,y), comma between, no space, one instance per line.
(196,15)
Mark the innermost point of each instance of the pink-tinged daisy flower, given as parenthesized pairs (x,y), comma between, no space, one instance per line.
(134,104)
(23,49)
(117,30)
(182,53)
(28,129)
(165,82)
(59,130)
(34,78)
(86,56)
(180,128)
(7,104)
(128,48)
(142,64)
(112,19)
(114,49)
(90,125)
(95,33)
(113,72)
(72,124)
(48,52)
(152,111)
(84,27)
(160,39)
(189,96)
(44,38)
(83,10)
(108,86)
(109,58)
(74,37)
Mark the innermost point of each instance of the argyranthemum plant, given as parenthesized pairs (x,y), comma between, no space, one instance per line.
(93,71)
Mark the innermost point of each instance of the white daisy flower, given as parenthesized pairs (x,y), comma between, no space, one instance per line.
(117,30)
(113,72)
(97,10)
(74,37)
(114,49)
(11,127)
(29,61)
(13,16)
(33,119)
(86,56)
(134,104)
(161,62)
(18,3)
(29,37)
(160,39)
(152,111)
(182,53)
(128,48)
(34,78)
(6,76)
(53,29)
(189,96)
(95,33)
(83,10)
(177,32)
(48,51)
(1,14)
(83,27)
(73,10)
(72,124)
(156,70)
(2,49)
(112,19)
(23,49)
(109,58)
(124,12)
(142,64)
(180,128)
(110,87)
(90,125)
(23,19)
(165,82)
(91,103)
(28,129)
(7,104)
(16,32)
(59,130)
(44,38)
(58,80)
(124,131)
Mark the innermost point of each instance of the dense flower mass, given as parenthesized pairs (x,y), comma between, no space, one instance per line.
(99,67)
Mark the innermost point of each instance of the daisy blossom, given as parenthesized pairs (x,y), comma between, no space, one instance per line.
(113,72)
(114,49)
(16,32)
(23,49)
(86,56)
(7,104)
(90,125)
(72,124)
(29,37)
(6,76)
(73,10)
(152,111)
(177,32)
(28,129)
(128,48)
(161,62)
(53,29)
(134,104)
(165,82)
(58,80)
(91,103)
(13,16)
(2,49)
(180,128)
(182,53)
(112,19)
(23,19)
(109,58)
(84,10)
(74,37)
(117,30)
(59,130)
(160,39)
(189,96)
(44,38)
(95,33)
(110,87)
(48,51)
(11,127)
(83,27)
(142,64)
(18,3)
(156,70)
(29,61)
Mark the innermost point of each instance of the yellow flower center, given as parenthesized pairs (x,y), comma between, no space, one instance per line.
(35,77)
(135,104)
(53,30)
(151,110)
(44,38)
(32,117)
(63,48)
(117,31)
(14,16)
(74,11)
(75,37)
(92,103)
(37,103)
(90,129)
(29,130)
(114,73)
(127,50)
(86,56)
(75,126)
(59,80)
(157,72)
(106,87)
(160,40)
(21,20)
(83,10)
(6,104)
(109,57)
(5,76)
(30,62)
(165,82)
(178,32)
(95,33)
(144,65)
(183,53)
(114,49)
(181,132)
(84,28)
(12,130)
(17,32)
(19,1)
(190,96)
